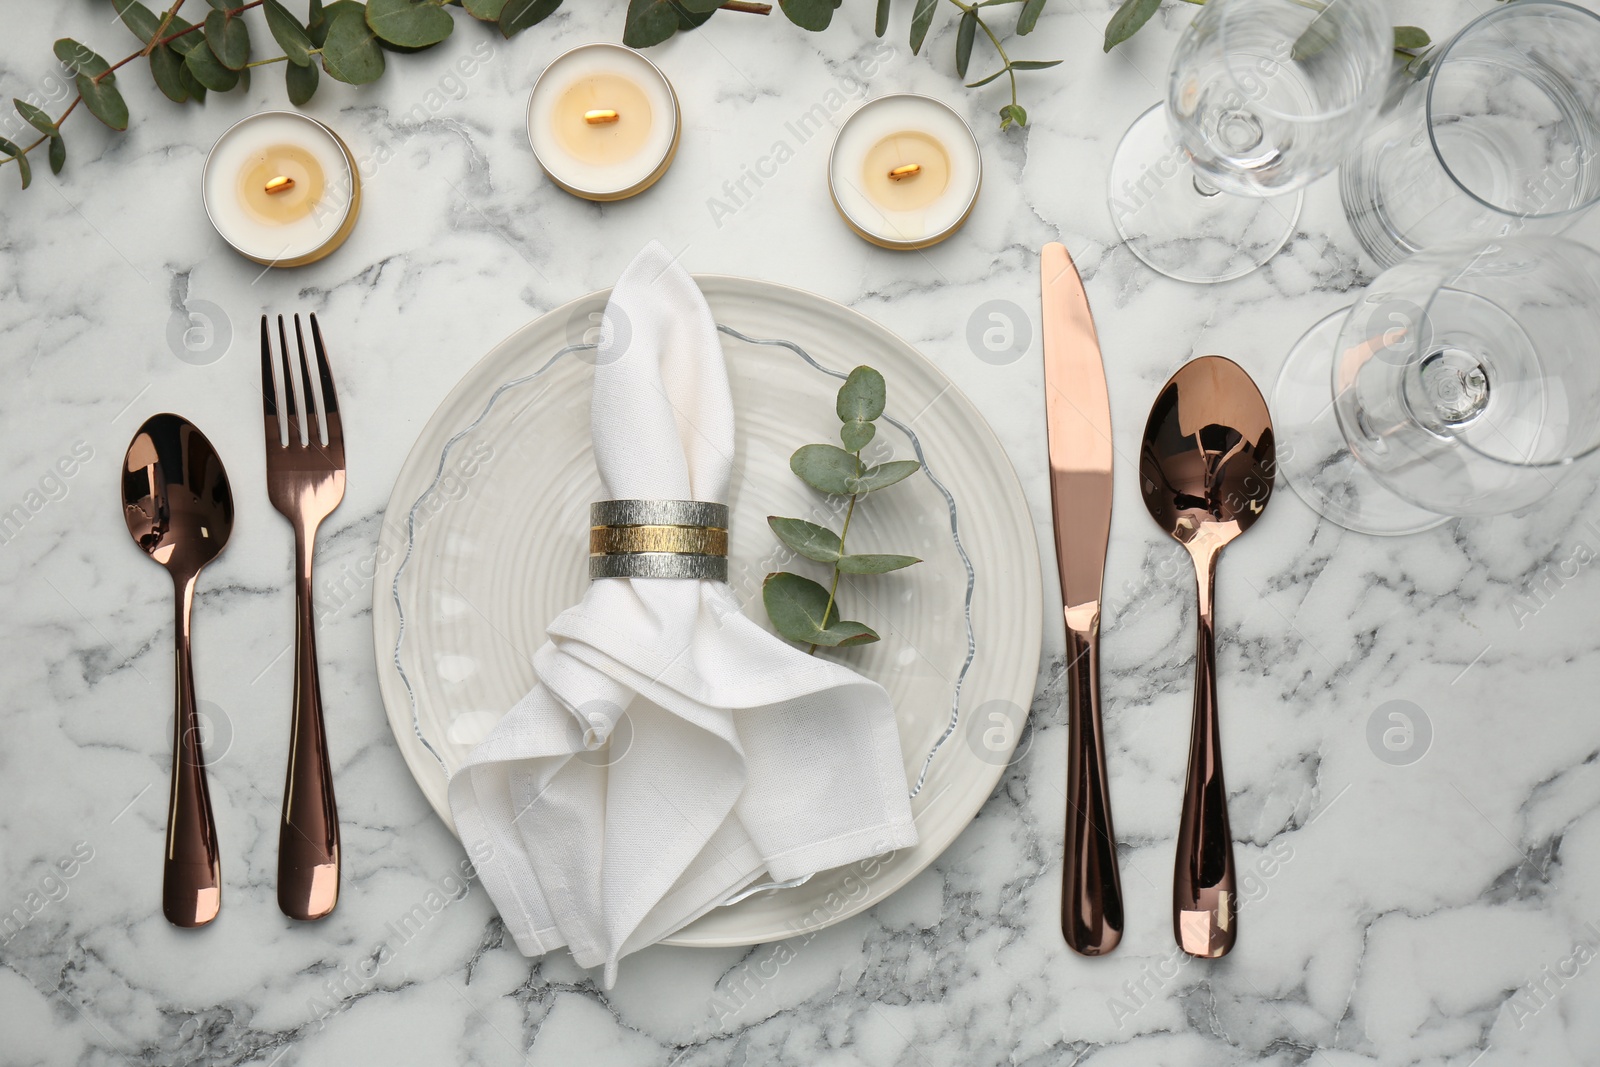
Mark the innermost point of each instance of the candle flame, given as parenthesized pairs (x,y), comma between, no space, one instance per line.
(600,117)
(902,173)
(281,184)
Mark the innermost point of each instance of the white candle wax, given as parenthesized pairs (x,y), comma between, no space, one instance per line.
(267,218)
(603,122)
(905,171)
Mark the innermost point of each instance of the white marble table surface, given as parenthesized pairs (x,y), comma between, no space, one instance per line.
(1438,912)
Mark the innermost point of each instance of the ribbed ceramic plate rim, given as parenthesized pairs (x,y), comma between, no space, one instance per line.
(1004,613)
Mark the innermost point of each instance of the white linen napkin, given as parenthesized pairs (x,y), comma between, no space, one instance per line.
(672,750)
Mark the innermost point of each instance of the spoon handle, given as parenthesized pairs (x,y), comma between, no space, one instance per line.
(191,885)
(308,836)
(1091,890)
(1204,902)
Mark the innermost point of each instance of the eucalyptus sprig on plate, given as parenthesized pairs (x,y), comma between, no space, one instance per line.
(806,611)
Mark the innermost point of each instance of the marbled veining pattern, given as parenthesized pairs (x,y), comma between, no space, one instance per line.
(1396,914)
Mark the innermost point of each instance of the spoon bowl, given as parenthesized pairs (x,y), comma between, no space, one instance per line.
(1206,471)
(179,510)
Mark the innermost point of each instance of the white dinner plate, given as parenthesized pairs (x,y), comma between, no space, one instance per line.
(485,541)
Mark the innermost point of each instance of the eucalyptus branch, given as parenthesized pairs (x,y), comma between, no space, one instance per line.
(805,611)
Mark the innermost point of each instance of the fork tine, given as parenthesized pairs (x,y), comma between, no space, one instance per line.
(313,424)
(330,397)
(289,402)
(269,392)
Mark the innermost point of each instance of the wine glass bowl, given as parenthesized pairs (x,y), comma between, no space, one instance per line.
(1263,98)
(1267,95)
(1498,139)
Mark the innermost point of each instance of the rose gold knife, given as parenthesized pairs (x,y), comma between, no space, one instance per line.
(1078,418)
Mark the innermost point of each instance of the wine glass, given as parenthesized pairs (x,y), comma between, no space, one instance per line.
(1465,382)
(1498,139)
(1263,98)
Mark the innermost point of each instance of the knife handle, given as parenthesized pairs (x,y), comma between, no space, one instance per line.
(1205,904)
(1091,890)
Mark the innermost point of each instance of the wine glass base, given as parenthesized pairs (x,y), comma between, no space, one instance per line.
(1179,226)
(1312,455)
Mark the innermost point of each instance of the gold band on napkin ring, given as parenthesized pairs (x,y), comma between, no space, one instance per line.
(658,539)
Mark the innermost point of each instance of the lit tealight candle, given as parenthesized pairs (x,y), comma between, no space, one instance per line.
(281,188)
(905,171)
(603,122)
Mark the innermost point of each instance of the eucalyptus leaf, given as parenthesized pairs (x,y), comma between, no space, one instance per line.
(1013,113)
(1034,64)
(24,170)
(197,92)
(826,467)
(80,60)
(986,81)
(649,22)
(301,83)
(874,563)
(138,18)
(1128,20)
(351,53)
(321,18)
(229,39)
(810,14)
(801,611)
(880,24)
(1028,18)
(287,31)
(166,68)
(220,5)
(487,10)
(104,101)
(209,71)
(921,19)
(966,33)
(807,538)
(857,434)
(1411,39)
(845,635)
(188,42)
(518,15)
(862,396)
(35,117)
(409,23)
(882,476)
(58,153)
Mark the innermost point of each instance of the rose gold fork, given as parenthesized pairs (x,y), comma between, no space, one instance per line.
(305,481)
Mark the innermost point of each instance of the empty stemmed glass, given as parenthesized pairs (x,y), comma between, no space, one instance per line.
(1263,98)
(1498,139)
(1465,382)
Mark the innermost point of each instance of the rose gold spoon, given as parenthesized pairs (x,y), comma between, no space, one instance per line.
(179,509)
(1205,471)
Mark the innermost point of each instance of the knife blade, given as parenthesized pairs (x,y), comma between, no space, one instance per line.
(1078,422)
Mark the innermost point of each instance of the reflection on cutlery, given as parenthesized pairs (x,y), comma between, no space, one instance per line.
(305,481)
(179,509)
(1078,416)
(1206,471)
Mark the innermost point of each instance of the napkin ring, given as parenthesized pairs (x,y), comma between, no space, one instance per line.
(658,539)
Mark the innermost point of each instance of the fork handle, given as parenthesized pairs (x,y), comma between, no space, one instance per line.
(308,836)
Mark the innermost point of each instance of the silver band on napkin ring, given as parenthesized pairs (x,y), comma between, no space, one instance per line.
(658,539)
